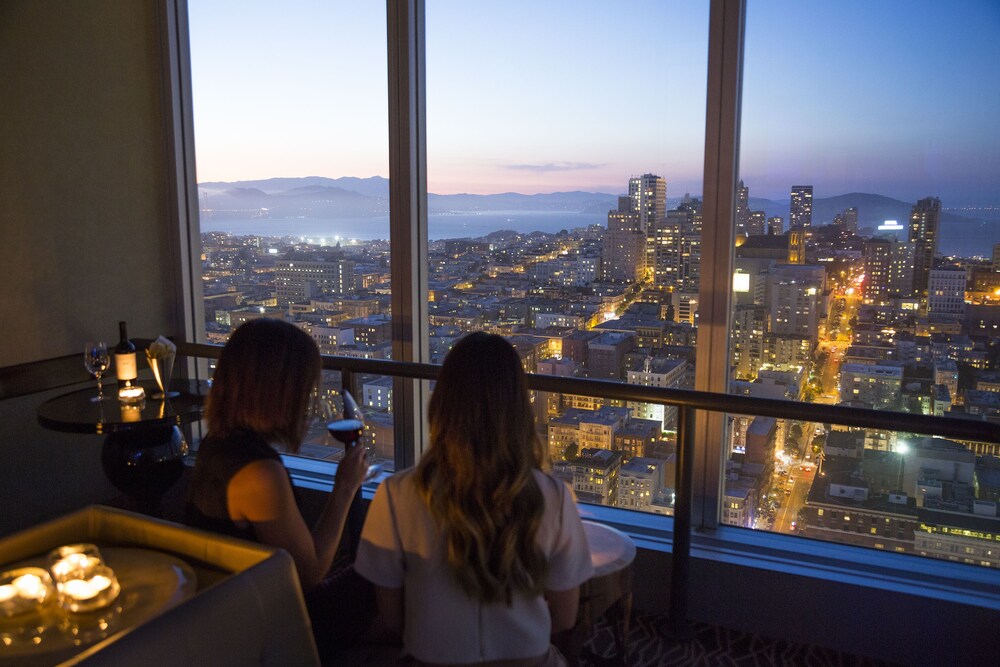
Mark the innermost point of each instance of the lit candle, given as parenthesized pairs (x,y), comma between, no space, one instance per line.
(30,586)
(23,590)
(85,589)
(88,592)
(131,394)
(77,561)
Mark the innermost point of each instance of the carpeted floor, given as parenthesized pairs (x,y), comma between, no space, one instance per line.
(710,646)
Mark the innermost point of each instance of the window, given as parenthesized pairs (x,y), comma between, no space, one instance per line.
(564,210)
(292,166)
(826,304)
(837,303)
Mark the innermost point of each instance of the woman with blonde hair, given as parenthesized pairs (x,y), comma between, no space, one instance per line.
(477,554)
(259,403)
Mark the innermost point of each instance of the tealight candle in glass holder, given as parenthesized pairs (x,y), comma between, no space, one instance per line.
(24,589)
(131,394)
(82,556)
(82,591)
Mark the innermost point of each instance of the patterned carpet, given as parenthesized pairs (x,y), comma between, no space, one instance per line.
(711,646)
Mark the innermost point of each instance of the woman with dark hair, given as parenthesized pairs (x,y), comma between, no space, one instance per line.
(477,554)
(259,403)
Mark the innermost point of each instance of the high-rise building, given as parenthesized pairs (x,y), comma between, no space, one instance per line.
(648,195)
(888,269)
(742,208)
(925,218)
(623,248)
(301,276)
(794,297)
(675,248)
(946,293)
(849,220)
(756,223)
(775,226)
(800,213)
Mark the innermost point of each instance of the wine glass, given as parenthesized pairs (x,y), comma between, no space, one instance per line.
(97,360)
(348,427)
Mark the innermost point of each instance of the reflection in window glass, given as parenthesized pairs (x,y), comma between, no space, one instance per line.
(565,157)
(290,114)
(867,272)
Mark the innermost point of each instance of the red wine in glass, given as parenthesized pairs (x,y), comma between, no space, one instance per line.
(347,431)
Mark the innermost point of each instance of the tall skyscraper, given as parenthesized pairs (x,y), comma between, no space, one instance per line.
(888,269)
(925,218)
(648,194)
(850,219)
(800,214)
(756,223)
(623,249)
(775,226)
(742,208)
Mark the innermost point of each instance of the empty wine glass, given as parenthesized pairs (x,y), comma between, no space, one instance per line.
(97,360)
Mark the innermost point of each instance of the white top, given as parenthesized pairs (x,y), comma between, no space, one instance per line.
(402,547)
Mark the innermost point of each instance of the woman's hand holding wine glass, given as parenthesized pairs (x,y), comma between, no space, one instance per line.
(347,426)
(97,360)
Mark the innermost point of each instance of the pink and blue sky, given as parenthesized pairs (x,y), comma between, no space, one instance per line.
(896,97)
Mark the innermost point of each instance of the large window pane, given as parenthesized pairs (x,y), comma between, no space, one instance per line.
(565,157)
(290,112)
(866,271)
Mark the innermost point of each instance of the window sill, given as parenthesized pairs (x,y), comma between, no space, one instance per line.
(785,554)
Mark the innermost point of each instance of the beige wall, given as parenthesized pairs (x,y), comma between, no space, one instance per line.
(86,236)
(84,189)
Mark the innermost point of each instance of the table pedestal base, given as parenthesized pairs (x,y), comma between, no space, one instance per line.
(144,463)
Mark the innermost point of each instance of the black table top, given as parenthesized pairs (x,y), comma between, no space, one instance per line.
(76,413)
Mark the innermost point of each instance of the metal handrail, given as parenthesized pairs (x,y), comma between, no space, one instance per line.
(951,427)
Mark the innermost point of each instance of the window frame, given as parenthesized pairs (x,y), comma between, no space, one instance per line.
(840,563)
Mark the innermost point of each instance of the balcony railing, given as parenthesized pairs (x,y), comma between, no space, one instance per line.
(687,403)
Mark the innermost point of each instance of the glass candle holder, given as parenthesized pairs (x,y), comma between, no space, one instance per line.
(72,557)
(83,591)
(131,395)
(23,590)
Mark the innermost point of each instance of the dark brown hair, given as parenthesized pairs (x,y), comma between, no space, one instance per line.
(477,478)
(264,383)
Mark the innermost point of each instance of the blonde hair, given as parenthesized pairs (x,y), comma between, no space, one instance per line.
(478,476)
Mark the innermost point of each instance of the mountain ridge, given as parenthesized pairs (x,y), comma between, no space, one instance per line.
(350,196)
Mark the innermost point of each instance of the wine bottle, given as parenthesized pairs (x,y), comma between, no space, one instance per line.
(125,366)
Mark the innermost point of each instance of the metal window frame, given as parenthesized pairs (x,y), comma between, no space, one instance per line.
(722,143)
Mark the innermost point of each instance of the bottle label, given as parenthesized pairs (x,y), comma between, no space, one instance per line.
(125,366)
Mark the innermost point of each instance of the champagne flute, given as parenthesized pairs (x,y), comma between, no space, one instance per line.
(348,427)
(97,360)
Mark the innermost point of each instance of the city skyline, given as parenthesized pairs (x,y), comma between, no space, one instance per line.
(874,110)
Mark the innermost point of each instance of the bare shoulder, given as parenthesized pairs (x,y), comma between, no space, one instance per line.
(261,476)
(259,491)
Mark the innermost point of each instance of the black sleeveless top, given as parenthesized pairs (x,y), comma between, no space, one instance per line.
(218,460)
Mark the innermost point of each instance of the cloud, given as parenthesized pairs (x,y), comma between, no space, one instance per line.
(555,166)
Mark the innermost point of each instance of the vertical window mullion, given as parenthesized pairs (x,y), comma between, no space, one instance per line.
(722,120)
(408,217)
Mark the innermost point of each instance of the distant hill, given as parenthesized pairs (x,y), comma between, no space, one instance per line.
(350,197)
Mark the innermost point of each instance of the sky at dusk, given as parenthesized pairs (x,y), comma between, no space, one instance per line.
(898,97)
